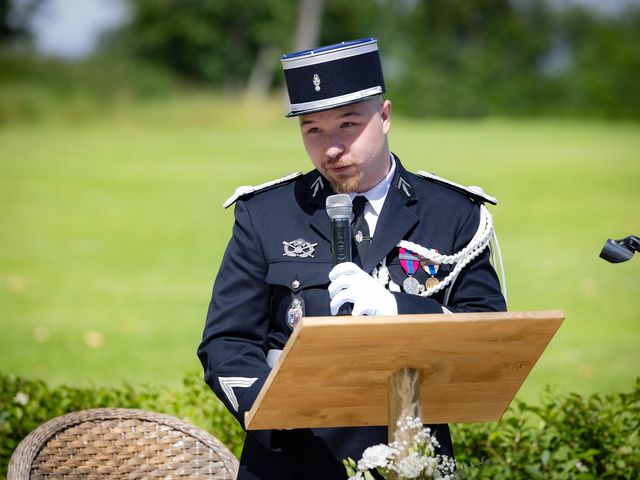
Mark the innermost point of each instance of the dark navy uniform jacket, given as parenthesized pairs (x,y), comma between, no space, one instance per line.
(256,283)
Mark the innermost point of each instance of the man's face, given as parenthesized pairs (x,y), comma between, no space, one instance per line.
(348,145)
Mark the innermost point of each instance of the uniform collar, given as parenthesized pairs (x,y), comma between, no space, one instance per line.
(318,188)
(402,182)
(394,219)
(377,195)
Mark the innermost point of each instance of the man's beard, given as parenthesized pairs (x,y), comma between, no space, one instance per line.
(346,185)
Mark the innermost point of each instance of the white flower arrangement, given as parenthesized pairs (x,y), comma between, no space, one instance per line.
(412,456)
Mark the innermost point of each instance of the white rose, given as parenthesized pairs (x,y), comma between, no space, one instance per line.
(373,457)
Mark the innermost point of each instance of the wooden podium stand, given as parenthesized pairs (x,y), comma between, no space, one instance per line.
(336,371)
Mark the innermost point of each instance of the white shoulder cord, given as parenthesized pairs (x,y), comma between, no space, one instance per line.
(503,278)
(475,247)
(462,258)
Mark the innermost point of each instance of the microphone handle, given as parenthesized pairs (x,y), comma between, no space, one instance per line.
(341,250)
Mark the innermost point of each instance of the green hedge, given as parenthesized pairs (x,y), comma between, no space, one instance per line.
(565,436)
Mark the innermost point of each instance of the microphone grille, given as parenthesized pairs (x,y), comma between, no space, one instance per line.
(339,206)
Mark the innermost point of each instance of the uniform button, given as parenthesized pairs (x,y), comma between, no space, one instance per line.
(295,284)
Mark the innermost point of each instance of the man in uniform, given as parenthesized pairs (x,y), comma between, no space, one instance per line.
(278,264)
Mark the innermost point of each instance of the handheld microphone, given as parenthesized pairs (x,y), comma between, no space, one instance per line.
(339,209)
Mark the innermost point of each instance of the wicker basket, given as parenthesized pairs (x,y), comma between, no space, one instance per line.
(120,443)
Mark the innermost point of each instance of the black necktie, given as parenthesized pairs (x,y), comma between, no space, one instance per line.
(360,228)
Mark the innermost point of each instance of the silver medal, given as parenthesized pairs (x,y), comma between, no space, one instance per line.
(412,285)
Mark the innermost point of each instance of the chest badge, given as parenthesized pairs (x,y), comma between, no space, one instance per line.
(295,312)
(298,248)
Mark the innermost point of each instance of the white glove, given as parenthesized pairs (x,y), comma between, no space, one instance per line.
(350,284)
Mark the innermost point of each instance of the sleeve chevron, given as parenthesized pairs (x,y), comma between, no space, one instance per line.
(229,383)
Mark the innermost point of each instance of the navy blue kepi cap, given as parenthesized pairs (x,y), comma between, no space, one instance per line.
(332,76)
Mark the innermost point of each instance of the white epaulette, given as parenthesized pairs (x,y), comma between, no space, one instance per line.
(247,189)
(473,191)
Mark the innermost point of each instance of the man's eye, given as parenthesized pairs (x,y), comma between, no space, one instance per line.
(313,130)
(347,125)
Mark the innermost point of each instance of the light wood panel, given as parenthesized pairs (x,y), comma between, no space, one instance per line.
(334,371)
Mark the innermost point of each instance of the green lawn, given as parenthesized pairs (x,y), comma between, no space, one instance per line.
(111,231)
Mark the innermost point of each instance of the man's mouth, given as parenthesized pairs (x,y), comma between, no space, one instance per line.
(338,168)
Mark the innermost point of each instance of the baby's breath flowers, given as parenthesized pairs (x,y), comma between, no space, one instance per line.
(413,457)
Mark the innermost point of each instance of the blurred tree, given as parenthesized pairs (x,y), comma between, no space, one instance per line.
(605,53)
(208,41)
(466,58)
(502,57)
(473,57)
(14,19)
(308,28)
(309,24)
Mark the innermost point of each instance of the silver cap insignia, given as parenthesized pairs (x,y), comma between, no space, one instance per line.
(316,81)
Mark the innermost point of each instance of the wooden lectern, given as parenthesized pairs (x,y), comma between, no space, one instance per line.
(337,371)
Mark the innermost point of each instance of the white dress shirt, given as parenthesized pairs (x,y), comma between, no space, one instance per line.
(375,198)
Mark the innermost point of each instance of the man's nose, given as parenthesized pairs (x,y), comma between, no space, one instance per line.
(334,146)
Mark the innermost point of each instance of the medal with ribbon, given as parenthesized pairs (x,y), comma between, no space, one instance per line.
(409,263)
(432,270)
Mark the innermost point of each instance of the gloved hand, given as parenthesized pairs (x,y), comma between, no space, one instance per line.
(350,284)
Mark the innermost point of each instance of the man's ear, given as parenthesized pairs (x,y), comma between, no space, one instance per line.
(385,113)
